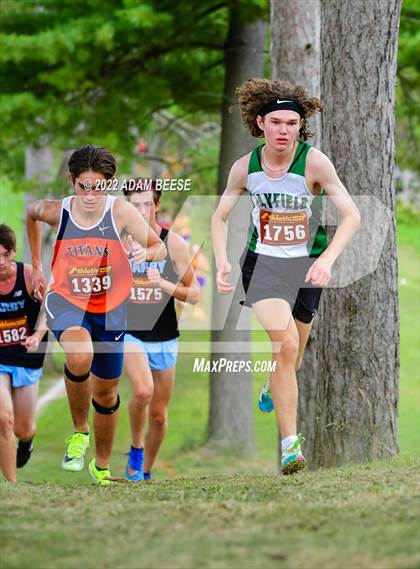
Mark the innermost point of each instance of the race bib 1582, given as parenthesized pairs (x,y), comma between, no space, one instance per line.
(13,331)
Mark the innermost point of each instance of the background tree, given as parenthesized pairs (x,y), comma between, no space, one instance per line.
(358,363)
(231,415)
(295,50)
(296,57)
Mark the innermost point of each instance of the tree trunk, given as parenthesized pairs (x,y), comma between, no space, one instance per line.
(39,168)
(358,364)
(296,57)
(231,423)
(296,48)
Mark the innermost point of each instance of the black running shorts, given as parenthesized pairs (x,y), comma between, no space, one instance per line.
(264,277)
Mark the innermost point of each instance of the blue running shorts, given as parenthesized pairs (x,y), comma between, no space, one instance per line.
(21,376)
(161,355)
(106,330)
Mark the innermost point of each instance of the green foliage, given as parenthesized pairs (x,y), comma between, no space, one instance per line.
(12,207)
(95,70)
(408,219)
(408,87)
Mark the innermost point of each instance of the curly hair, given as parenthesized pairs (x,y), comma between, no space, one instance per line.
(255,93)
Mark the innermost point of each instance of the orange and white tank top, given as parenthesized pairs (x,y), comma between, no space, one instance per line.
(90,267)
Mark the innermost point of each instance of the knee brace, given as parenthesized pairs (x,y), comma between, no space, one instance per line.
(106,410)
(75,378)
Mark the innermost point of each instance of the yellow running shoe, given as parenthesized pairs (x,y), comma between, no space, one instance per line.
(75,453)
(99,476)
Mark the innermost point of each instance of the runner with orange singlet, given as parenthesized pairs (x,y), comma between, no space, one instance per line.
(86,302)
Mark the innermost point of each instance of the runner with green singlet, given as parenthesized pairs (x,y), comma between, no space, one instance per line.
(287,261)
(286,195)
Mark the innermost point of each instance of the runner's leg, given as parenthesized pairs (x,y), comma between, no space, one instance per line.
(105,394)
(136,367)
(275,316)
(158,414)
(304,331)
(24,406)
(78,363)
(7,437)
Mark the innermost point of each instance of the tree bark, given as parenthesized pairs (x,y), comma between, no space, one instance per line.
(358,342)
(39,168)
(231,423)
(296,57)
(296,48)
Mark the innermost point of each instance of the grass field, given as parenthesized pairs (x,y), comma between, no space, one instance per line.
(205,510)
(359,516)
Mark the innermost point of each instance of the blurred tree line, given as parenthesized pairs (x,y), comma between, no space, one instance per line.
(408,87)
(114,71)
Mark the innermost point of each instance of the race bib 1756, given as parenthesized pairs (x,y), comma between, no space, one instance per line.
(282,228)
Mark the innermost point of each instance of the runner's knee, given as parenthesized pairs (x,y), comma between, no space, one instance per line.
(105,393)
(159,419)
(6,421)
(75,378)
(79,364)
(24,430)
(106,406)
(288,346)
(142,396)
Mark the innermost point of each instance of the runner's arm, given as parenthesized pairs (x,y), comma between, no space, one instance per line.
(130,220)
(32,342)
(187,288)
(47,211)
(327,178)
(236,186)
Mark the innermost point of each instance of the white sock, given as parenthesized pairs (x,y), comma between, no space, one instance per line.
(287,442)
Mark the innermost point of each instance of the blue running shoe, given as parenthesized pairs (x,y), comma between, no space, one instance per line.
(265,400)
(134,468)
(147,475)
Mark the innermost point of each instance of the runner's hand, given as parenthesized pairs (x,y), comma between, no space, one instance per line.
(154,276)
(31,343)
(138,253)
(320,272)
(223,286)
(39,284)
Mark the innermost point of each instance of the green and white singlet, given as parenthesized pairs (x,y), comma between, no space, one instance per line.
(286,217)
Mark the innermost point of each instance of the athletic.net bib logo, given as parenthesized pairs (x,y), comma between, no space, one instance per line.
(283,228)
(13,331)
